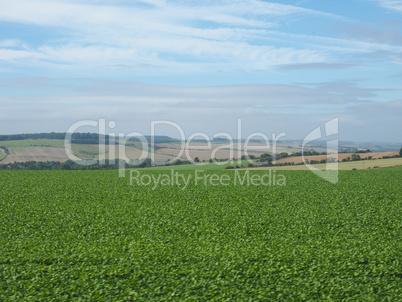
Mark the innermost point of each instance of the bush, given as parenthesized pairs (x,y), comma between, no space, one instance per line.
(355,157)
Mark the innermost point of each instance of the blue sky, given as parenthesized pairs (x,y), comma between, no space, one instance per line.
(280,66)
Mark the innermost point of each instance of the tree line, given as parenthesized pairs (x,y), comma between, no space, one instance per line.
(70,165)
(82,138)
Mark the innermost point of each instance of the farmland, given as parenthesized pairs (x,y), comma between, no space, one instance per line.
(69,235)
(202,166)
(42,150)
(353,165)
(2,154)
(51,150)
(34,142)
(341,156)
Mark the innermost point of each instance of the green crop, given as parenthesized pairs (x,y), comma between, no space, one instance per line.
(90,236)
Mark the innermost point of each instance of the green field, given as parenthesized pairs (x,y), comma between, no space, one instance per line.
(202,166)
(90,236)
(34,142)
(3,154)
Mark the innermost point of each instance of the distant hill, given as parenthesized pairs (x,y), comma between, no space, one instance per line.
(42,147)
(80,138)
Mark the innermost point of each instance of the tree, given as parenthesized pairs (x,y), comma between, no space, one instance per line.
(177,162)
(266,158)
(64,166)
(147,162)
(197,160)
(355,156)
(400,153)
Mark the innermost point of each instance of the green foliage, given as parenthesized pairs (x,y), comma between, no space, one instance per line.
(77,138)
(34,143)
(355,157)
(266,158)
(207,166)
(400,152)
(90,236)
(147,162)
(3,152)
(53,135)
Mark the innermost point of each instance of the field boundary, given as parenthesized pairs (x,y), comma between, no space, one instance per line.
(3,153)
(352,165)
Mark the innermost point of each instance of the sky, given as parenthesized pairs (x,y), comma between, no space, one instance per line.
(279,66)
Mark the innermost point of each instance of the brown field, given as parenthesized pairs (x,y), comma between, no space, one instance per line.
(205,154)
(260,148)
(341,156)
(22,154)
(197,149)
(352,165)
(167,152)
(135,153)
(42,154)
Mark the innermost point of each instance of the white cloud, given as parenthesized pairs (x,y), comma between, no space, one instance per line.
(186,42)
(12,43)
(11,54)
(167,34)
(391,4)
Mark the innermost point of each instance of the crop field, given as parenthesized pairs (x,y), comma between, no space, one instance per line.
(352,165)
(2,154)
(90,235)
(202,166)
(22,154)
(34,142)
(341,156)
(223,150)
(288,147)
(35,151)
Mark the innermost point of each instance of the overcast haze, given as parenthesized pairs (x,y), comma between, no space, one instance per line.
(285,66)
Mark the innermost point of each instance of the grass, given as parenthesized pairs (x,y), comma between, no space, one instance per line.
(84,151)
(16,150)
(34,142)
(3,154)
(201,166)
(89,235)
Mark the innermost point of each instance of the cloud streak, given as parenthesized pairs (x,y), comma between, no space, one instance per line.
(200,63)
(391,4)
(233,33)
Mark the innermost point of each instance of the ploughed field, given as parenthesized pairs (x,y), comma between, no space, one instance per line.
(90,235)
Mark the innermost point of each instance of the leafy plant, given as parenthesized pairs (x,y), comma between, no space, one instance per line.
(89,235)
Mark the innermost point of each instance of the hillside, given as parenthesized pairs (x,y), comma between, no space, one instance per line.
(44,147)
(341,157)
